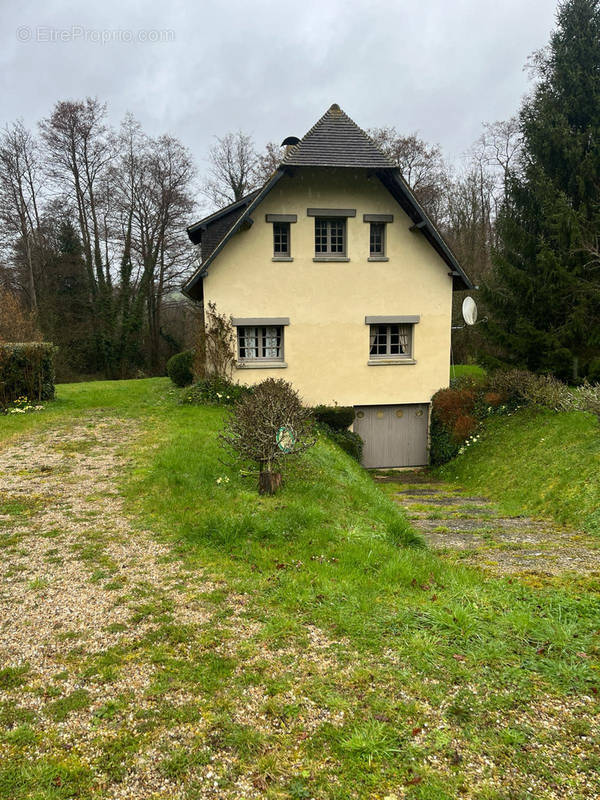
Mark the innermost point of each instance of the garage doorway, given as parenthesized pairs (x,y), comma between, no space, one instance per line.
(393,436)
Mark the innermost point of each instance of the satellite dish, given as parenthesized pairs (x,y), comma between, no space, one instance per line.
(469,311)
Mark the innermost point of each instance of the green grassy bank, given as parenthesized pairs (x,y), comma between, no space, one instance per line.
(537,461)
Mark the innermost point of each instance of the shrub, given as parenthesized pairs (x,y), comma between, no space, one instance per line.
(348,441)
(585,398)
(521,386)
(214,391)
(26,370)
(267,425)
(451,405)
(339,418)
(16,323)
(442,447)
(179,368)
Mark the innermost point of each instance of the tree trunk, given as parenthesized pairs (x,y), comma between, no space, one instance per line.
(269,482)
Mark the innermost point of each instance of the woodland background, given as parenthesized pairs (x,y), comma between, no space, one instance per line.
(93,247)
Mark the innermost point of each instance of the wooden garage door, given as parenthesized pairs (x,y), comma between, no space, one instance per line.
(394,436)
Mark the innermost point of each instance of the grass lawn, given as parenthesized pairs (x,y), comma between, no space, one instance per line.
(538,461)
(303,646)
(467,370)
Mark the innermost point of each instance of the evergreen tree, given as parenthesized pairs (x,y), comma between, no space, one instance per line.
(65,312)
(544,297)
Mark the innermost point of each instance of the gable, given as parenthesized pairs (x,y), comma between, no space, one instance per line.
(312,193)
(334,142)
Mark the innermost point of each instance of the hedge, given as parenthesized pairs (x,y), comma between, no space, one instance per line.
(26,370)
(337,417)
(349,441)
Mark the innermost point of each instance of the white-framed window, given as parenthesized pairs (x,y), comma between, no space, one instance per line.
(391,340)
(260,343)
(330,236)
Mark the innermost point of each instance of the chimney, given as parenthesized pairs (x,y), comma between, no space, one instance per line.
(289,143)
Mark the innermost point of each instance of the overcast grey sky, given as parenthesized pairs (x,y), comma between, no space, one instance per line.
(440,67)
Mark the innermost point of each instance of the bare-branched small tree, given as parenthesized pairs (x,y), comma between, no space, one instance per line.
(266,426)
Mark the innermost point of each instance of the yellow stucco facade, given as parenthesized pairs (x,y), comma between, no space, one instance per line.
(326,344)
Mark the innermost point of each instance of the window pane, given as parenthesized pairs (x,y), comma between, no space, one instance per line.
(248,342)
(394,340)
(272,342)
(320,236)
(378,340)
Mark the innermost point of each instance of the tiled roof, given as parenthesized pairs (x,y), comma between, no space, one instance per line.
(336,141)
(219,222)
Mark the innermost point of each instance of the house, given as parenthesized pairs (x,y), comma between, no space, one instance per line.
(337,280)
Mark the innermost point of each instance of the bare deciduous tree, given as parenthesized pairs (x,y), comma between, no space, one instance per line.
(79,150)
(232,171)
(422,166)
(152,178)
(132,200)
(499,147)
(20,189)
(267,162)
